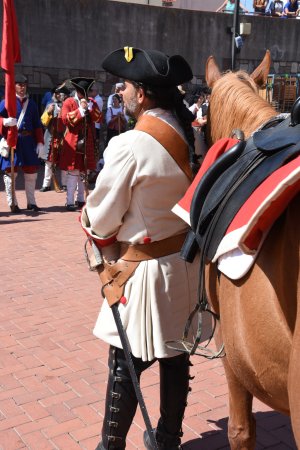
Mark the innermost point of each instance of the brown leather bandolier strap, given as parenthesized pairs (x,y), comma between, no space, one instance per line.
(114,276)
(168,137)
(152,250)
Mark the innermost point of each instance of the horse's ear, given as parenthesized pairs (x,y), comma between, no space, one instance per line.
(212,71)
(261,73)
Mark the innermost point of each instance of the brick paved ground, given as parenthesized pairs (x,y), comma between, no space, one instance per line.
(52,369)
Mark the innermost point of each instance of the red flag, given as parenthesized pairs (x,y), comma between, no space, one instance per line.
(10,54)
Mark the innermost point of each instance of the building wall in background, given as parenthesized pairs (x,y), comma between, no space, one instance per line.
(196,5)
(64,39)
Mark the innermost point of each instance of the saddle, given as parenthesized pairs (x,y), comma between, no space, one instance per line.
(231,180)
(225,186)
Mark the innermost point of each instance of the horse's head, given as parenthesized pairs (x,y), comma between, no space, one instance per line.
(235,102)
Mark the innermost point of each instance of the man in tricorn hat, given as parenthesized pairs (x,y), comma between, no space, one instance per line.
(30,144)
(79,113)
(128,215)
(53,136)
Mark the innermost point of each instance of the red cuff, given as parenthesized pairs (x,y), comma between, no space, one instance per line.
(98,241)
(39,135)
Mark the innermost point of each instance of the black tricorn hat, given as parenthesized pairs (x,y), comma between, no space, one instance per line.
(62,89)
(20,78)
(82,84)
(150,67)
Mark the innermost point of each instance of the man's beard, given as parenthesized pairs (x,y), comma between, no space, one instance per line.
(131,106)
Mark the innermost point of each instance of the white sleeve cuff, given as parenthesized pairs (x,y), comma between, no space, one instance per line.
(82,111)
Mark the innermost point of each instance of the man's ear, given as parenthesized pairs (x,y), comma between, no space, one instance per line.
(141,95)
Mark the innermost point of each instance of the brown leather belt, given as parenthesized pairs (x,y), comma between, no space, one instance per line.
(25,133)
(152,250)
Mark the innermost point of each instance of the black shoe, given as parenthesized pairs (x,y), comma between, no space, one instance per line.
(71,207)
(64,188)
(100,446)
(31,207)
(168,444)
(15,209)
(80,204)
(45,189)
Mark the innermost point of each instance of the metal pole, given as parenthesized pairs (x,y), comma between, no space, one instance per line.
(12,177)
(85,181)
(235,31)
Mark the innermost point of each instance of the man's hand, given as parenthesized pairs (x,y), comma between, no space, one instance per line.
(202,121)
(83,107)
(84,104)
(9,122)
(41,151)
(50,108)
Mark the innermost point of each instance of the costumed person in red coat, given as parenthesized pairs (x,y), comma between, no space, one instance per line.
(53,137)
(30,145)
(79,113)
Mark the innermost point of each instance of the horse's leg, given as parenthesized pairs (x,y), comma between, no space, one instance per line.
(294,366)
(241,424)
(293,381)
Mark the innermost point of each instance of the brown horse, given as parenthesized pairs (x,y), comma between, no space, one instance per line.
(260,313)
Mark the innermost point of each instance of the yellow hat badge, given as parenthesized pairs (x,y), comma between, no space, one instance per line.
(128,53)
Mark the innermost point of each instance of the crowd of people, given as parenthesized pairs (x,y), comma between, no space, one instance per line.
(66,138)
(274,8)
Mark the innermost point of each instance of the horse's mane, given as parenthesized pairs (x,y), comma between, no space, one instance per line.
(236,104)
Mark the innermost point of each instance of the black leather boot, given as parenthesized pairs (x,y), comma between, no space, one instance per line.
(174,388)
(121,401)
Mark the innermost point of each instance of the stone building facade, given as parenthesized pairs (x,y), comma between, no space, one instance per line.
(61,40)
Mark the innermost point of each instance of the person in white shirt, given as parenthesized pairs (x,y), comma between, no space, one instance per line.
(131,206)
(115,118)
(198,100)
(116,90)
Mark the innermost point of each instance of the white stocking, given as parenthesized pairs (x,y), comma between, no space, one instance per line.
(30,182)
(8,188)
(72,180)
(48,174)
(80,190)
(63,177)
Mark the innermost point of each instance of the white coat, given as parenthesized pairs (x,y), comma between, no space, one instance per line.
(133,197)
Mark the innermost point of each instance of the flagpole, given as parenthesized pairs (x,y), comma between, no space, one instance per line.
(10,54)
(12,175)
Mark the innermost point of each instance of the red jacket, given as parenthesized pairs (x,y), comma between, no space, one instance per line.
(70,158)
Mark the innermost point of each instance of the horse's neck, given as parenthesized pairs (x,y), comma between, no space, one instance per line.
(246,117)
(255,118)
(252,120)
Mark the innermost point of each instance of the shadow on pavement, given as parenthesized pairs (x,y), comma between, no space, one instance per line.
(274,423)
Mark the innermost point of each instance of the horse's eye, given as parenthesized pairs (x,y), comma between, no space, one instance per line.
(241,77)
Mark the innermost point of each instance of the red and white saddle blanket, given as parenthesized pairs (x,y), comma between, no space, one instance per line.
(243,238)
